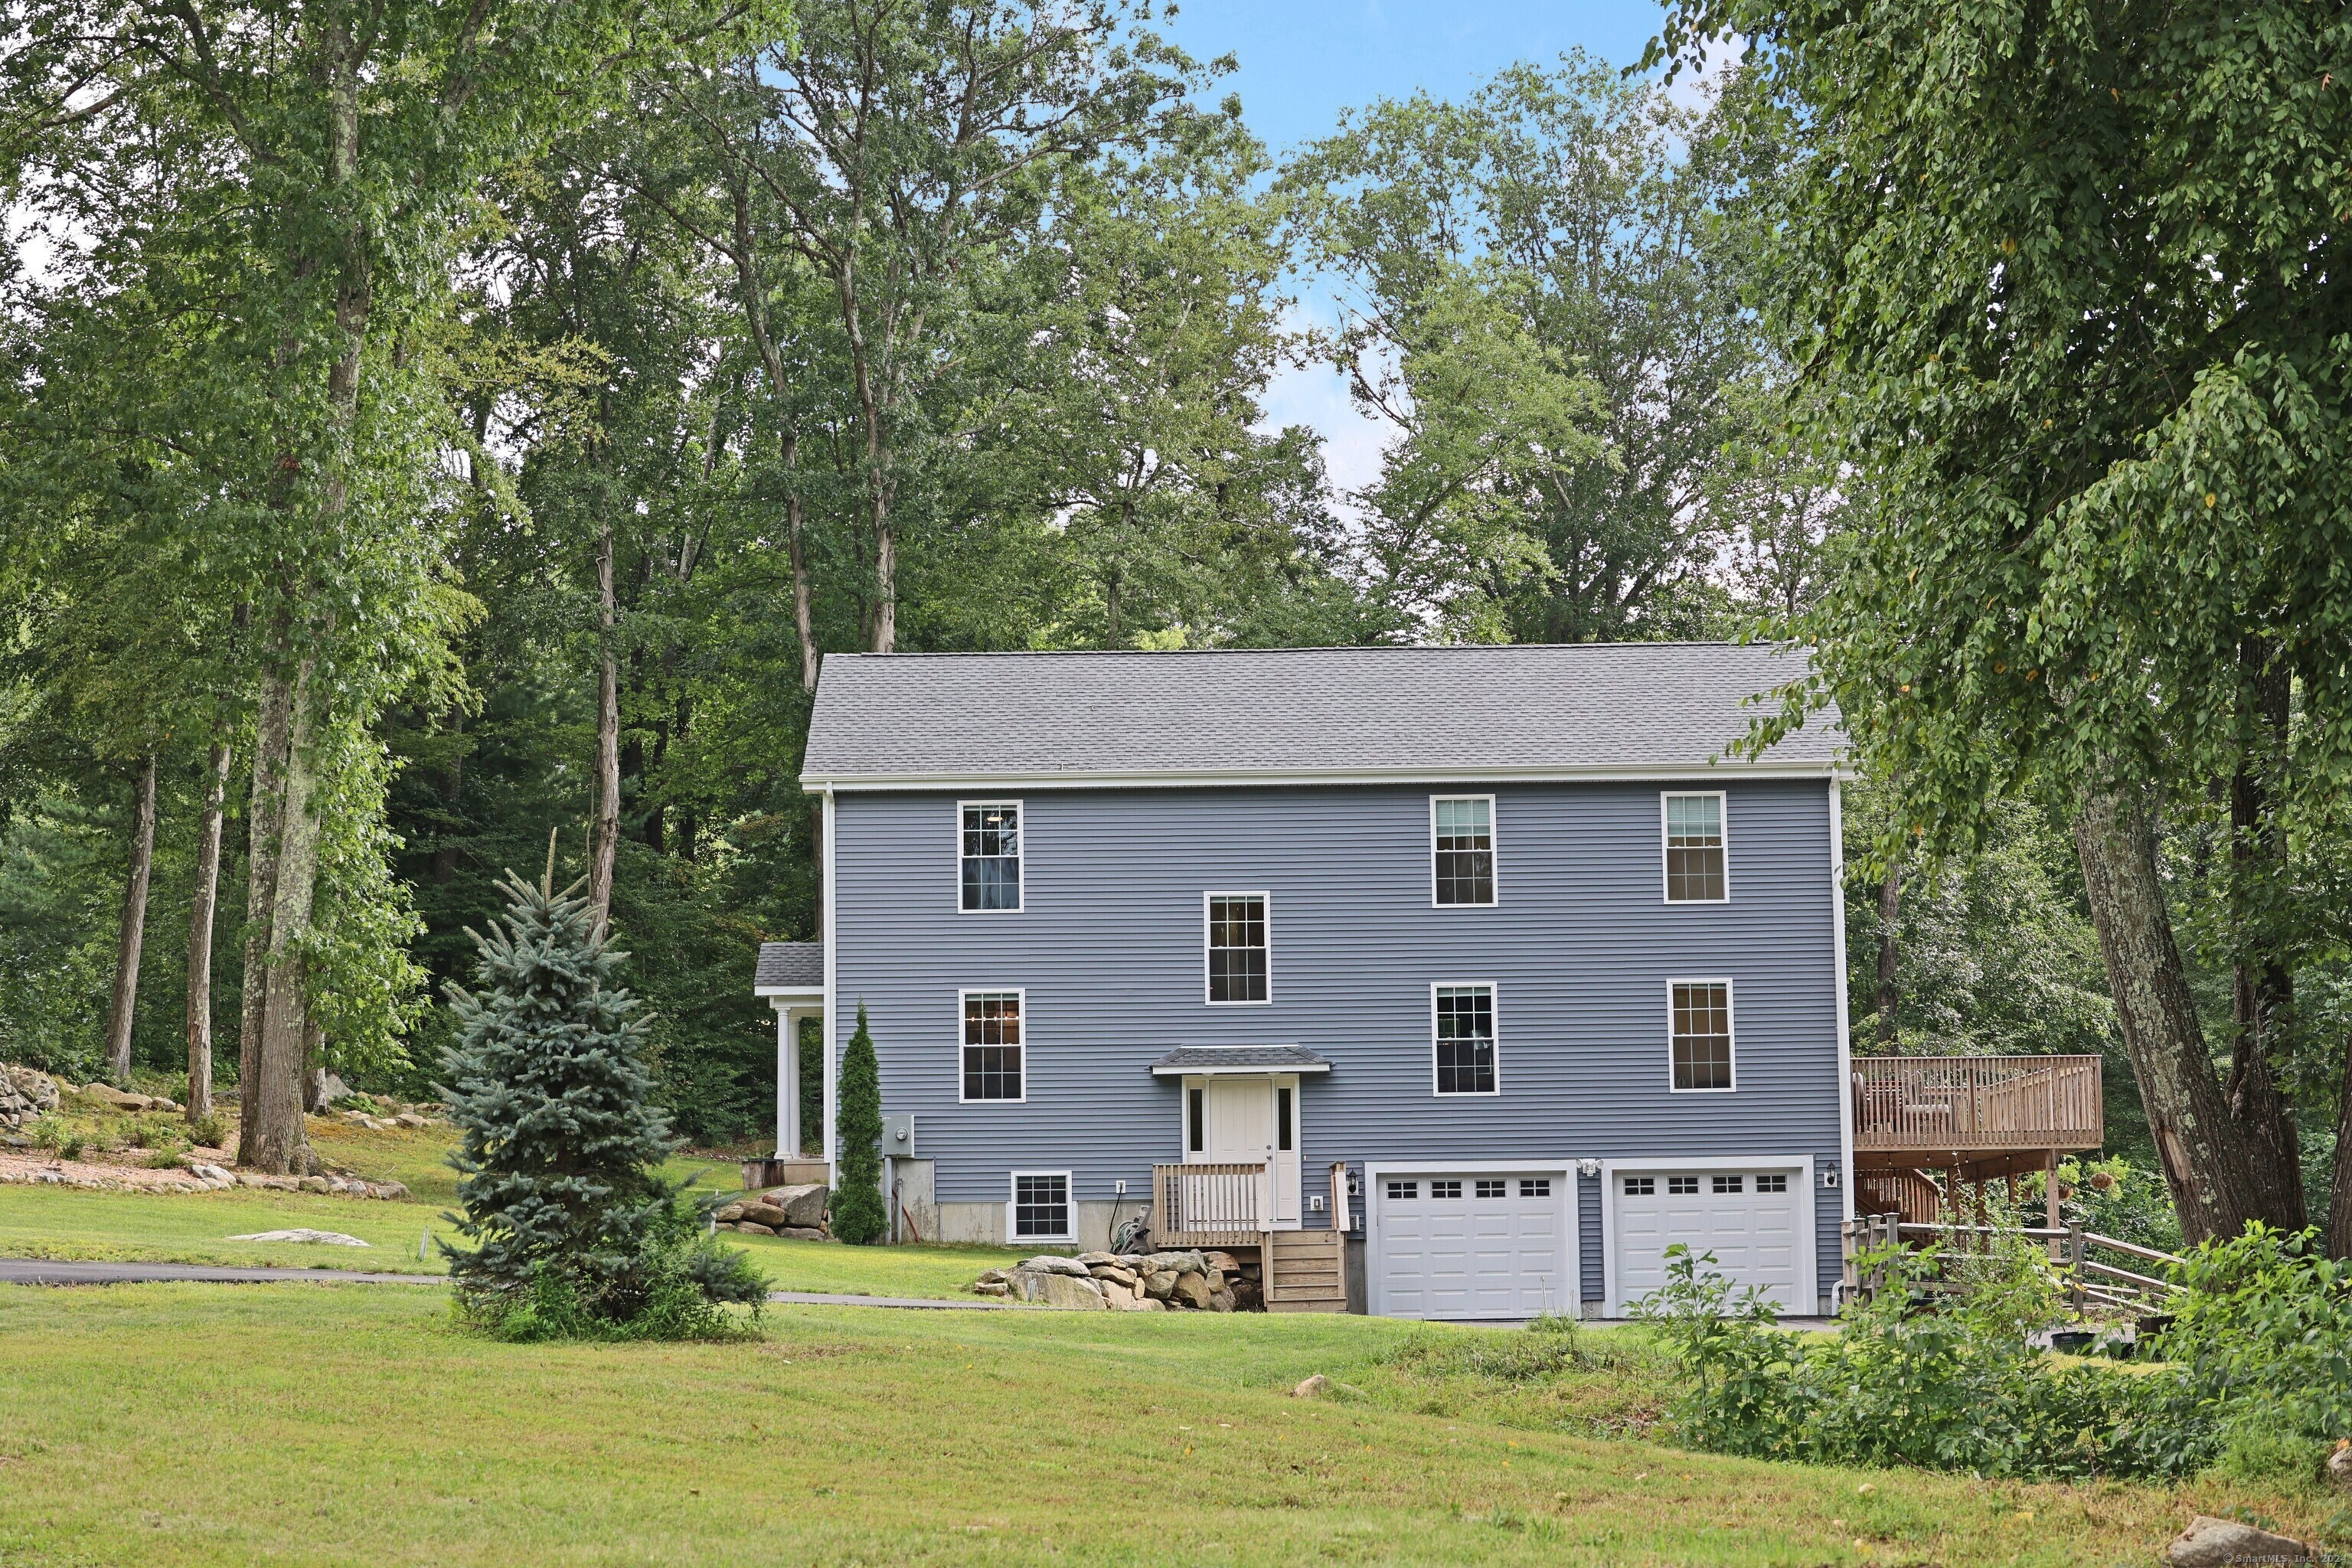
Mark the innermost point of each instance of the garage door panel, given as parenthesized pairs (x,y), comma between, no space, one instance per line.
(1752,1232)
(1491,1247)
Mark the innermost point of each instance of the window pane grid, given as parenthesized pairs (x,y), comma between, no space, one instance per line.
(1466,1039)
(991,1046)
(1702,1036)
(1237,950)
(992,857)
(1695,848)
(1465,852)
(1041,1206)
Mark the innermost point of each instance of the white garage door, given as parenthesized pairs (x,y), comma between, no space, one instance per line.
(1747,1219)
(1472,1245)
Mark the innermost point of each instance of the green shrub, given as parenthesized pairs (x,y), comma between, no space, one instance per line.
(1955,1389)
(2263,1331)
(209,1130)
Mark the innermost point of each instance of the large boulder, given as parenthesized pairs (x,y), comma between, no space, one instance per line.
(120,1100)
(1176,1262)
(1191,1290)
(1113,1271)
(1053,1288)
(1157,1286)
(1045,1263)
(803,1205)
(2218,1542)
(2339,1464)
(767,1215)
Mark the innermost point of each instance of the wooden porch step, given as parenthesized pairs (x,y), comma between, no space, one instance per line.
(1306,1271)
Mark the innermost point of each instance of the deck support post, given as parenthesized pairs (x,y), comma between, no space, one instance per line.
(2050,1197)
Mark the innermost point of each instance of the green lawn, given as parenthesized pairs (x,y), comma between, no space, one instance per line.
(194,1227)
(171,1425)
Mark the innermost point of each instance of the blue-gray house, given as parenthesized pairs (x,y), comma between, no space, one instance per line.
(1493,960)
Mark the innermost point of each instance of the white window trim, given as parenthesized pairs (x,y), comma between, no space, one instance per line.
(1665,882)
(1376,1204)
(1267,1001)
(1023,993)
(1020,861)
(1495,1010)
(1730,1003)
(1493,852)
(1799,1166)
(1013,1237)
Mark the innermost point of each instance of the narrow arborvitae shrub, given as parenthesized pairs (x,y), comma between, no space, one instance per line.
(858,1215)
(574,1231)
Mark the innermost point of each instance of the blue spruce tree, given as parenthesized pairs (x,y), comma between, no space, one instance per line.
(575,1231)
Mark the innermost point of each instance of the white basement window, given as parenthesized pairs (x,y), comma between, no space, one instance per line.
(1041,1206)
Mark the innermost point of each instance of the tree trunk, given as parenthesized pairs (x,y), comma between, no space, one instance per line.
(1890,903)
(2339,1196)
(2205,1161)
(605,834)
(2262,993)
(453,787)
(200,935)
(273,718)
(274,1138)
(796,546)
(133,933)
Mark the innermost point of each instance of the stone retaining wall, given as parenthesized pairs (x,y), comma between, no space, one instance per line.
(1132,1282)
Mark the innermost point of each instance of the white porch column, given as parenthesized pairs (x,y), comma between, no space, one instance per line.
(789,1131)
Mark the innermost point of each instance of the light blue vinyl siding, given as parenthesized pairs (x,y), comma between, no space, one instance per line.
(1580,948)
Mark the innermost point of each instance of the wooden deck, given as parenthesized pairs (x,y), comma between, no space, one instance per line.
(1227,1207)
(1985,1116)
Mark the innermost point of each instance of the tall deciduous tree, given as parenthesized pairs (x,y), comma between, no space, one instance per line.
(1535,306)
(896,146)
(2077,275)
(322,160)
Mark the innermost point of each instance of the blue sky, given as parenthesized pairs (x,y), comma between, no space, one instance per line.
(1302,61)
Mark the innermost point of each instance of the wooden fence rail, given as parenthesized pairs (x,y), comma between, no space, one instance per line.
(1963,1103)
(1208,1204)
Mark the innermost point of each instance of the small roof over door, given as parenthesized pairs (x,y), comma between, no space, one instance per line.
(1199,1061)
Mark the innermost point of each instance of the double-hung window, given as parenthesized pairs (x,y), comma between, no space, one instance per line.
(1041,1206)
(1701,1011)
(992,1065)
(1695,870)
(991,855)
(1237,947)
(1461,840)
(1465,1038)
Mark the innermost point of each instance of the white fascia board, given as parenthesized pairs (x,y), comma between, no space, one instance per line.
(1212,777)
(791,995)
(1243,1069)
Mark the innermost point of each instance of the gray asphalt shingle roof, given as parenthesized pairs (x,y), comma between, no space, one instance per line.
(1589,707)
(792,965)
(1237,1058)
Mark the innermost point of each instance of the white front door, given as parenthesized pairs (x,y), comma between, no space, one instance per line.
(1249,1121)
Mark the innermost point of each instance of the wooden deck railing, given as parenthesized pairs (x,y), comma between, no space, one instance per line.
(1208,1205)
(1956,1104)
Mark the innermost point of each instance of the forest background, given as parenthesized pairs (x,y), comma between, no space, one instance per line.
(731,338)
